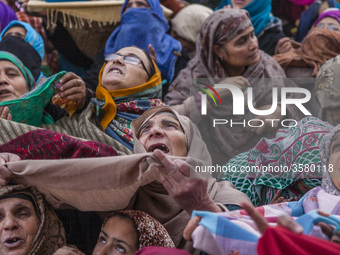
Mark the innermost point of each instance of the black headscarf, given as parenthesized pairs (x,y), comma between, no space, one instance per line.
(25,52)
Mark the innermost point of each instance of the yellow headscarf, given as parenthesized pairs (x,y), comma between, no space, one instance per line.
(110,107)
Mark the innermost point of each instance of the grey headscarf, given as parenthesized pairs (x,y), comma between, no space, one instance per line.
(327,88)
(327,183)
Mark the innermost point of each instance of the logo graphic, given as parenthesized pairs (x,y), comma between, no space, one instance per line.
(243,100)
(204,97)
(239,98)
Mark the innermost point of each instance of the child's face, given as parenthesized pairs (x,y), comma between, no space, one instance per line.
(117,236)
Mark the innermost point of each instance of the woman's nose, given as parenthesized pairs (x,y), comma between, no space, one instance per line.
(10,223)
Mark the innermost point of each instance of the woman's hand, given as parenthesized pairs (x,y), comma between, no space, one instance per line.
(4,113)
(283,45)
(262,224)
(73,88)
(5,174)
(238,81)
(188,192)
(278,198)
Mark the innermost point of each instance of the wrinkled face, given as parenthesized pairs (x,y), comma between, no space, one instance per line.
(137,4)
(19,225)
(17,32)
(239,4)
(118,236)
(163,132)
(238,53)
(334,160)
(12,82)
(118,74)
(329,23)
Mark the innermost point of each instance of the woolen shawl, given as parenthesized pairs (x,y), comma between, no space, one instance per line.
(115,183)
(327,88)
(219,28)
(141,27)
(50,235)
(188,21)
(318,46)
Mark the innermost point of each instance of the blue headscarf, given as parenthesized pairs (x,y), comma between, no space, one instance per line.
(141,27)
(259,11)
(32,36)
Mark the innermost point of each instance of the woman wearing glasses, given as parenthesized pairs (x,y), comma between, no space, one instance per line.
(129,83)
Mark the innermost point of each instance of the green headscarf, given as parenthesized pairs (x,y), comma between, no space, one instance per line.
(23,69)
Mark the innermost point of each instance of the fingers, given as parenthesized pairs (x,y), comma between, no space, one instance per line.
(190,227)
(276,197)
(5,173)
(259,220)
(73,88)
(165,160)
(4,113)
(326,229)
(286,222)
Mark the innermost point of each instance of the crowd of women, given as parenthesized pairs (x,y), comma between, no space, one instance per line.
(101,156)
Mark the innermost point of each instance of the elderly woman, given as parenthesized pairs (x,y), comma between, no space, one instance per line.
(268,29)
(22,102)
(28,224)
(157,179)
(143,24)
(129,83)
(321,43)
(227,48)
(186,25)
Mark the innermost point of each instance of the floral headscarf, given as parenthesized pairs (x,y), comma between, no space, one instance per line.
(51,235)
(149,231)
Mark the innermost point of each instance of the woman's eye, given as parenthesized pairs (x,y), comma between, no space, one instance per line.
(101,239)
(11,74)
(121,249)
(241,41)
(24,213)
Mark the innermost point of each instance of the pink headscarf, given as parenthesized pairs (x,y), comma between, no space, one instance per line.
(302,2)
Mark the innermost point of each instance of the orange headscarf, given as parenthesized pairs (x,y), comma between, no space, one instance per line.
(106,95)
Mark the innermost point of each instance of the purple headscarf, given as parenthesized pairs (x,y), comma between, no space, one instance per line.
(7,14)
(331,13)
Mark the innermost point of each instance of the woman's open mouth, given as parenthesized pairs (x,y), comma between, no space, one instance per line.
(13,242)
(160,146)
